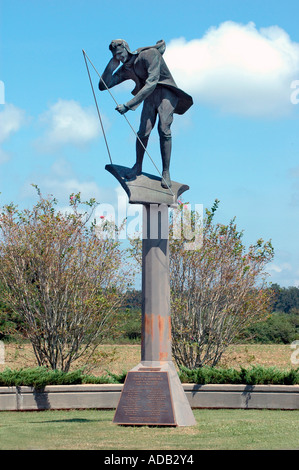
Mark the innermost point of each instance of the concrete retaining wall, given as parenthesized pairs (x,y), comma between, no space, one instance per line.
(284,397)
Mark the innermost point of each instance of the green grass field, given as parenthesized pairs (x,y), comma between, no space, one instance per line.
(94,430)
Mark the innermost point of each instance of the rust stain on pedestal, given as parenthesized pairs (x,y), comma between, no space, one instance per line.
(163,355)
(161,322)
(148,324)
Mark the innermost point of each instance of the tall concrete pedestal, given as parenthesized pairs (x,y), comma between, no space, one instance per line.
(152,393)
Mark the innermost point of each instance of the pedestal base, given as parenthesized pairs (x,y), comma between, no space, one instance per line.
(153,395)
(146,188)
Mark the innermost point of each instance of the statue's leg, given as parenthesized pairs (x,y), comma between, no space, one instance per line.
(165,146)
(166,109)
(147,122)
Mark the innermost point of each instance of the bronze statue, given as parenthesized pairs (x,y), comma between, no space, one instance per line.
(157,90)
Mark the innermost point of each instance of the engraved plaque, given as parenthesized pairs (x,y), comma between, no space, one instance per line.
(145,400)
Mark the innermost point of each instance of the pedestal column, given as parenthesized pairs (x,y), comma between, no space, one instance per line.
(156,321)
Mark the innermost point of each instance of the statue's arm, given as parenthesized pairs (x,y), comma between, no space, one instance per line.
(151,61)
(109,78)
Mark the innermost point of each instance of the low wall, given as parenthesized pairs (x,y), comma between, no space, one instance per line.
(285,397)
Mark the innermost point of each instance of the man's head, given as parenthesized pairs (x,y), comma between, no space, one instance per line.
(120,49)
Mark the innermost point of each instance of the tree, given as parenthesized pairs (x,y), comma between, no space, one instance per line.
(217,288)
(63,274)
(10,322)
(285,299)
(279,328)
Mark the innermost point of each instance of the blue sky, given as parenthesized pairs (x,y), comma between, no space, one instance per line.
(239,142)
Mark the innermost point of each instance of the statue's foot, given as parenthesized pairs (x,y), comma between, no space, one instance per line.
(135,171)
(166,181)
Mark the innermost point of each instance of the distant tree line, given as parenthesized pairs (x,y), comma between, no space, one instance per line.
(286,299)
(282,326)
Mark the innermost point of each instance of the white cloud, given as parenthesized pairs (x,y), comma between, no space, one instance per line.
(237,68)
(278,268)
(274,268)
(11,120)
(61,181)
(67,122)
(284,269)
(88,189)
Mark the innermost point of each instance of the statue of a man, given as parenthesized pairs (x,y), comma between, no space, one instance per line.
(157,90)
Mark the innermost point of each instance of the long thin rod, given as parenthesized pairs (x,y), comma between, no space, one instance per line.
(137,136)
(95,99)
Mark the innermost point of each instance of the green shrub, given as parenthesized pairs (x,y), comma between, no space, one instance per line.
(251,376)
(11,325)
(40,377)
(128,325)
(279,328)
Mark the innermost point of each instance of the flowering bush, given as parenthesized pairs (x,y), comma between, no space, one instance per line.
(63,275)
(217,291)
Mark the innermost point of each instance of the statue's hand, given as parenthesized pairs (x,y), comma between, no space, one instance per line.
(122,108)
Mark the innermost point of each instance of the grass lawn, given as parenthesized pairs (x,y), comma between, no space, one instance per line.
(94,430)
